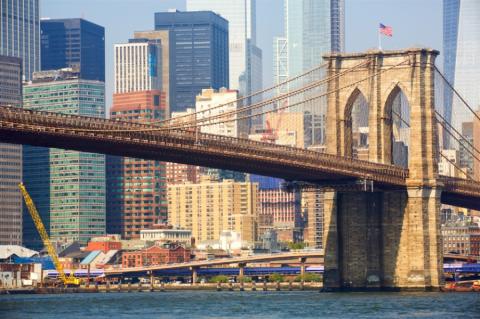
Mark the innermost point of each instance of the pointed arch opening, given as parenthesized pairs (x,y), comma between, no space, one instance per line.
(397,111)
(356,126)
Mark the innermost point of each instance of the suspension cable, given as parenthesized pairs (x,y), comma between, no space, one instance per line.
(195,125)
(243,97)
(441,154)
(443,122)
(262,103)
(458,94)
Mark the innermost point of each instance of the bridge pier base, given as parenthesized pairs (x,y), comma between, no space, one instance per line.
(383,240)
(241,271)
(194,277)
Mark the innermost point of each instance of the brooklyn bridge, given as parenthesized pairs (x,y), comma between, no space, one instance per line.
(381,209)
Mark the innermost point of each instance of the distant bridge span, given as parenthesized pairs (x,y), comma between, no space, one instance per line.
(219,262)
(113,137)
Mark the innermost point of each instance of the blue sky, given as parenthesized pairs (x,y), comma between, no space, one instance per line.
(414,22)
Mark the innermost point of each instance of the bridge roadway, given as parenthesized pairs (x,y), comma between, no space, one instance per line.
(113,137)
(219,262)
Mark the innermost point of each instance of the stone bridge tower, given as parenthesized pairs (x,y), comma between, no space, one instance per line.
(387,238)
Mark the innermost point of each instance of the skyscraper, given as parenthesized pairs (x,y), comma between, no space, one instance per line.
(161,37)
(68,187)
(198,54)
(313,28)
(19,38)
(461,49)
(280,61)
(245,57)
(74,43)
(10,157)
(136,188)
(20,33)
(138,66)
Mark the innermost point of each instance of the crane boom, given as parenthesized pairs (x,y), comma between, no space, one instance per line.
(46,240)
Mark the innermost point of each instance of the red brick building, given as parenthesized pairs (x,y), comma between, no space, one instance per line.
(182,173)
(463,240)
(104,246)
(136,190)
(156,255)
(282,211)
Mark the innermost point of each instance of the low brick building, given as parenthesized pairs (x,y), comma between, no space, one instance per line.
(156,255)
(464,240)
(104,246)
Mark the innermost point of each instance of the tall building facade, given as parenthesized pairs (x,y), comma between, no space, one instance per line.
(137,188)
(313,28)
(245,57)
(280,62)
(161,38)
(136,192)
(210,207)
(461,49)
(68,187)
(20,33)
(74,43)
(10,157)
(19,38)
(138,66)
(198,51)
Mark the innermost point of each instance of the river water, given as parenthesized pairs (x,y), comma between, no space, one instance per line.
(212,304)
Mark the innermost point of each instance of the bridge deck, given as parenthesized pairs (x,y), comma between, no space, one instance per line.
(219,262)
(182,146)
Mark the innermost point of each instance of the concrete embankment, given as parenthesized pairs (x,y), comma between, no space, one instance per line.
(125,288)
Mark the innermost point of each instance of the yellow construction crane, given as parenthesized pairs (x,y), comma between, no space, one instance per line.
(67,281)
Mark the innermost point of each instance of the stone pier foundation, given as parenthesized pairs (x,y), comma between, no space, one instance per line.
(383,240)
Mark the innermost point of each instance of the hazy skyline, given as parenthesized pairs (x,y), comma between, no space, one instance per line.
(414,22)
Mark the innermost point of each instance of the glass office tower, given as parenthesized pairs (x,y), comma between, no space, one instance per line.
(20,33)
(19,38)
(10,157)
(245,57)
(68,187)
(313,28)
(198,54)
(461,49)
(74,43)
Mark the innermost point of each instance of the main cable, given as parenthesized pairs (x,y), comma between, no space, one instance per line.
(195,125)
(441,154)
(243,97)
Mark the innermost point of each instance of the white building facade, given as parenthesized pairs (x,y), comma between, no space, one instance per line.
(461,51)
(138,66)
(215,103)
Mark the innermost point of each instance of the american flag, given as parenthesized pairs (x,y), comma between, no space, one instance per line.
(385,29)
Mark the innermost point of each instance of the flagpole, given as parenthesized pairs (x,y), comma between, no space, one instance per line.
(379,40)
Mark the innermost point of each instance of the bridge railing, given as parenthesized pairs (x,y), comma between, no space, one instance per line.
(90,126)
(466,186)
